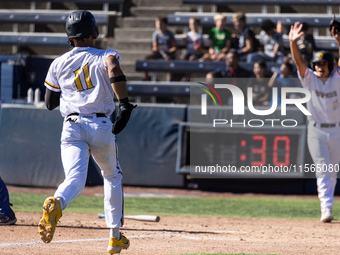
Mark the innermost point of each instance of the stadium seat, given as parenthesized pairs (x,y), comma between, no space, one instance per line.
(46,16)
(184,66)
(105,3)
(321,42)
(253,19)
(34,39)
(165,89)
(262,2)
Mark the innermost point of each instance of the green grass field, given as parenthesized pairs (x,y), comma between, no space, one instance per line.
(254,207)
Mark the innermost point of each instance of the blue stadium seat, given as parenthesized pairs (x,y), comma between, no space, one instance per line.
(45,16)
(253,19)
(262,2)
(321,42)
(161,89)
(184,66)
(73,1)
(34,39)
(105,3)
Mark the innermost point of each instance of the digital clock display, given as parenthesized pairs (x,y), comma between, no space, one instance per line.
(203,146)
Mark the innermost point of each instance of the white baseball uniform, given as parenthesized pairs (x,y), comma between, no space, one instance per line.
(324,131)
(82,78)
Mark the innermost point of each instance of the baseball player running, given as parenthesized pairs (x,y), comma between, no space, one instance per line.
(323,130)
(83,82)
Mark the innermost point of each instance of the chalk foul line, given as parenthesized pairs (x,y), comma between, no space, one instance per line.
(133,236)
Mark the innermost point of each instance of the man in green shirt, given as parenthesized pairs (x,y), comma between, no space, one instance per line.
(220,40)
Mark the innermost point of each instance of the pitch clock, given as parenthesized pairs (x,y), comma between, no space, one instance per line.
(241,151)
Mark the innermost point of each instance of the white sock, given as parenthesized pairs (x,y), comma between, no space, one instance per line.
(62,203)
(114,232)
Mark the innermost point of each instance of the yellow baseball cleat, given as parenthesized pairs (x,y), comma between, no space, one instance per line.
(48,223)
(115,246)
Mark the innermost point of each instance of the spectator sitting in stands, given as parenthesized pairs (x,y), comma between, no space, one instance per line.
(220,40)
(261,92)
(163,43)
(246,42)
(306,43)
(288,59)
(271,44)
(280,79)
(194,43)
(232,70)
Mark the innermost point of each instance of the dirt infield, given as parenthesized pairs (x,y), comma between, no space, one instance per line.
(87,234)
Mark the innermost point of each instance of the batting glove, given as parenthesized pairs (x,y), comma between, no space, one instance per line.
(123,115)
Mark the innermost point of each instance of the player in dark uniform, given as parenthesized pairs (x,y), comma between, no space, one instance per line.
(7,216)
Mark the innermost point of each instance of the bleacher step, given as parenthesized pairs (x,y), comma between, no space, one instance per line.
(133,45)
(148,11)
(135,76)
(133,33)
(128,66)
(128,55)
(139,22)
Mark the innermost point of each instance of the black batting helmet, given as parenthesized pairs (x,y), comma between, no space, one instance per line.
(323,56)
(81,24)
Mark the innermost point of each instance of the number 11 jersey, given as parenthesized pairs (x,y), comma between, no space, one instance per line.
(82,78)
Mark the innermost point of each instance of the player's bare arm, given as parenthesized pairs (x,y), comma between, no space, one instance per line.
(113,69)
(336,35)
(52,99)
(294,35)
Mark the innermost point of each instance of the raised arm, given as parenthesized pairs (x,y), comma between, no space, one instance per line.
(336,35)
(294,35)
(272,79)
(276,50)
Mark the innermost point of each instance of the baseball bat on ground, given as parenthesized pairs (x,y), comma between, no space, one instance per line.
(153,218)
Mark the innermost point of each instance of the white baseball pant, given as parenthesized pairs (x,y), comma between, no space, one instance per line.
(324,147)
(81,136)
